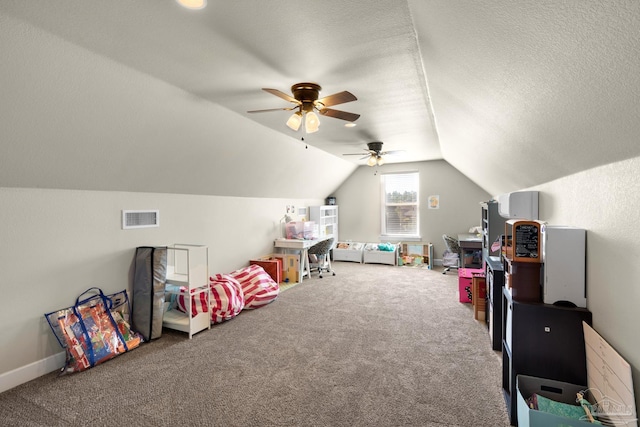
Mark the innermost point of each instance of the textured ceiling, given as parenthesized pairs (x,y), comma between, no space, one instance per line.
(512,94)
(230,50)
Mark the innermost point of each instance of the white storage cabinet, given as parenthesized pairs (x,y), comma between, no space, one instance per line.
(188,267)
(326,217)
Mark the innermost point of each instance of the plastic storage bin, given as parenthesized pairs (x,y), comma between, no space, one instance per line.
(301,230)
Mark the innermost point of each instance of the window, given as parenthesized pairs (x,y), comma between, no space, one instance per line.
(400,205)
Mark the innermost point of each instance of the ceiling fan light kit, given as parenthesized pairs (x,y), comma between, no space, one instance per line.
(311,122)
(375,160)
(192,4)
(295,121)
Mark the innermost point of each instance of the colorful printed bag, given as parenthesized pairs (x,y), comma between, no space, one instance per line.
(93,330)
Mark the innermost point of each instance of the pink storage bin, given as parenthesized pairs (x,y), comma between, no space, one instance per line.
(464,283)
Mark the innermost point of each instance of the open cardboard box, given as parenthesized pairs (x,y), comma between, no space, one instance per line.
(609,390)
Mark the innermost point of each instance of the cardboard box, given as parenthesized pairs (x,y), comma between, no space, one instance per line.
(610,390)
(290,267)
(272,265)
(555,390)
(479,297)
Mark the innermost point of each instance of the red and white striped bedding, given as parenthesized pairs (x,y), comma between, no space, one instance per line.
(248,288)
(227,299)
(258,287)
(198,302)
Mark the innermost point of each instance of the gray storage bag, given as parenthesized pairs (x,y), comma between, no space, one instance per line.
(149,279)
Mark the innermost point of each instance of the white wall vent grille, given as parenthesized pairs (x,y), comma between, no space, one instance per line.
(140,219)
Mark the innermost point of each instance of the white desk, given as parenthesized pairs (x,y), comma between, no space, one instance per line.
(298,245)
(469,244)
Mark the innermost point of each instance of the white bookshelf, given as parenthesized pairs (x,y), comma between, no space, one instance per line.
(187,268)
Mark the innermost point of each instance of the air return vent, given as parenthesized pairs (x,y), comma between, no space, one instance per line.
(140,219)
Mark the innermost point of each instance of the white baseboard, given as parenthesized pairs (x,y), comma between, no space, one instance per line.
(24,374)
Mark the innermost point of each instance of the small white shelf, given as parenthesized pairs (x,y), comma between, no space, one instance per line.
(187,268)
(179,321)
(187,265)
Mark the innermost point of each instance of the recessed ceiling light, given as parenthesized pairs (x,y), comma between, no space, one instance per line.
(350,125)
(193,4)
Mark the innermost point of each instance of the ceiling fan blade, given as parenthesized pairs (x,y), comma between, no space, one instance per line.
(366,154)
(282,95)
(272,109)
(384,153)
(337,98)
(337,114)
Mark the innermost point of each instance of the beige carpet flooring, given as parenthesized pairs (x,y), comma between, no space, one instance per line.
(374,345)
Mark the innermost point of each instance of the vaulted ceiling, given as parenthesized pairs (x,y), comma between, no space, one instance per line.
(511,93)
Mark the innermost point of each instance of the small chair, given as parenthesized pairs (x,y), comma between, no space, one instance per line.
(451,257)
(319,257)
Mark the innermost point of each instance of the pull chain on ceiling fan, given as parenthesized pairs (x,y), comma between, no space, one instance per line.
(305,97)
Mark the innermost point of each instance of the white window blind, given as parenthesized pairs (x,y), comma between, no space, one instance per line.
(400,204)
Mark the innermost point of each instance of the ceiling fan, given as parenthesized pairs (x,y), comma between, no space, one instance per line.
(374,153)
(306,103)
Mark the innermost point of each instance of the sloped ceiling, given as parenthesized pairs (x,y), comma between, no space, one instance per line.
(525,92)
(511,93)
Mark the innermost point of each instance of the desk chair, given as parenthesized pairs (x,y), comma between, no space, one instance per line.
(319,257)
(451,257)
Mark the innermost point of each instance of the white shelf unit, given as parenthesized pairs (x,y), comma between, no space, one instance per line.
(188,267)
(326,217)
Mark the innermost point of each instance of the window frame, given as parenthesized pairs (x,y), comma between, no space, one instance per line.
(385,235)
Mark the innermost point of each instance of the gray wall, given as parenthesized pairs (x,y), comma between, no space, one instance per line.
(82,138)
(606,201)
(58,243)
(359,201)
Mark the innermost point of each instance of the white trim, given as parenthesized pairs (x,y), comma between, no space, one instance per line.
(24,374)
(399,238)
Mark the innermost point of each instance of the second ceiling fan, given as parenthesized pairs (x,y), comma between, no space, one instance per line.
(374,153)
(306,102)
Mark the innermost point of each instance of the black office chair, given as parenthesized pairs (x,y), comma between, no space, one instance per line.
(451,257)
(319,257)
